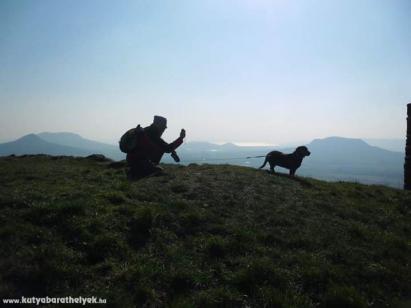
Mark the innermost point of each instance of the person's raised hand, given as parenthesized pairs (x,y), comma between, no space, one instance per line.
(183,133)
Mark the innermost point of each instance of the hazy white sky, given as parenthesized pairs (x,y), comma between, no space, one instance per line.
(264,71)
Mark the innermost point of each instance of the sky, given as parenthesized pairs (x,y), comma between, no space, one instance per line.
(244,71)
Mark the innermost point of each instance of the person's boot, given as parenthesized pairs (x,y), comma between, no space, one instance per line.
(158,171)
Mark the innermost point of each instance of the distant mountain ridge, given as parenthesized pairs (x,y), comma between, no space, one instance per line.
(71,139)
(353,150)
(337,158)
(75,140)
(340,141)
(333,158)
(396,145)
(33,144)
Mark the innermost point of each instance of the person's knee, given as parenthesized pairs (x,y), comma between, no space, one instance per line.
(143,167)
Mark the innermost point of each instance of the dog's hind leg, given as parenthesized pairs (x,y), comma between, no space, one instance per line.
(272,166)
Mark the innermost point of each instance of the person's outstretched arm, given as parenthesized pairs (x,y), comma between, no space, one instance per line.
(170,147)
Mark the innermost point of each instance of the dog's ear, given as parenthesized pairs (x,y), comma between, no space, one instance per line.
(299,150)
(302,150)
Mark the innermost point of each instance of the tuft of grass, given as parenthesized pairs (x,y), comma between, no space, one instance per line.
(216,247)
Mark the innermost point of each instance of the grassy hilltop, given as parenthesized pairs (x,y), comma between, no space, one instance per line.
(201,236)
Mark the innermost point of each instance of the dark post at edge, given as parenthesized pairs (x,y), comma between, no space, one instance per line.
(407,164)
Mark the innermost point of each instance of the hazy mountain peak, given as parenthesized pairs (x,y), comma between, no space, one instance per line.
(71,139)
(339,141)
(63,134)
(77,141)
(229,145)
(30,138)
(63,143)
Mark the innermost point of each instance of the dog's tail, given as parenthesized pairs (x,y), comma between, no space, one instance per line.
(265,162)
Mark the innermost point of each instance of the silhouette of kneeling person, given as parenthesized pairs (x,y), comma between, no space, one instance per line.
(144,159)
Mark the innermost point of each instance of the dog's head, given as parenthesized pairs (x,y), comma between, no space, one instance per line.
(302,151)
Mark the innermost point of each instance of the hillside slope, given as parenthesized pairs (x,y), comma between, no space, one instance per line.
(201,236)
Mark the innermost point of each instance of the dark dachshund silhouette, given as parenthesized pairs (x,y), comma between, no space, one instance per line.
(290,161)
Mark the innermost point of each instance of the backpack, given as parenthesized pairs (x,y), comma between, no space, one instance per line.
(129,141)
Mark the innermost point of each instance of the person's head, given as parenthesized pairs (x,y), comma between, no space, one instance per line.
(160,123)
